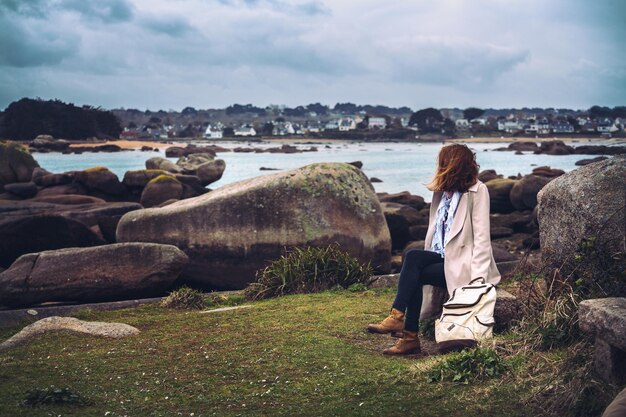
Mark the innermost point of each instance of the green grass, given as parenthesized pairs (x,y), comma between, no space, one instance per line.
(305,355)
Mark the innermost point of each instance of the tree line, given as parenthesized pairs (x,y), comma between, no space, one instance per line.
(25,119)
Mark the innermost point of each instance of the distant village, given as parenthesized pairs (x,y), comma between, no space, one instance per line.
(362,122)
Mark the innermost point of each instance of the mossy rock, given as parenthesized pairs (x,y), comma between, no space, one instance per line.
(96,169)
(234,230)
(140,178)
(163,178)
(16,163)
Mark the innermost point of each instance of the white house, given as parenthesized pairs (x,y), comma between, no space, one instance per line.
(347,123)
(508,126)
(332,124)
(283,129)
(462,123)
(213,132)
(562,126)
(245,131)
(377,123)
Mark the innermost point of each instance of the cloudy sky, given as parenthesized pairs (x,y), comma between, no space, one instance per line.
(168,54)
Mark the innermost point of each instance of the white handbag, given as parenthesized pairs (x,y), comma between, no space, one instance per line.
(467,316)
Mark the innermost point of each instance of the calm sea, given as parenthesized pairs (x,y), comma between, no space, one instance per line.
(401,166)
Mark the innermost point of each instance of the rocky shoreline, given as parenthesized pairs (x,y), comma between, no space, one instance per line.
(88,218)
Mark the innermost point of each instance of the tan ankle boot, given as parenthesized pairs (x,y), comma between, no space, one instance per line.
(410,343)
(393,323)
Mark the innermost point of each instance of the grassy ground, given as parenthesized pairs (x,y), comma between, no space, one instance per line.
(305,355)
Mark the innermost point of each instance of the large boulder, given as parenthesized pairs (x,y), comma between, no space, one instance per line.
(404,197)
(68,324)
(499,194)
(233,231)
(16,164)
(555,147)
(158,163)
(48,143)
(523,194)
(33,233)
(399,219)
(110,272)
(202,165)
(581,221)
(141,177)
(86,212)
(161,189)
(22,189)
(100,179)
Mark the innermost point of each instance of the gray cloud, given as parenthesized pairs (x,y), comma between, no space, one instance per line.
(306,8)
(109,11)
(204,53)
(169,25)
(24,46)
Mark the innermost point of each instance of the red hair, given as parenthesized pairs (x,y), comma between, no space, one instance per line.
(457,169)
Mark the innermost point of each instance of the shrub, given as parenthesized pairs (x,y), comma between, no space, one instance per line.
(469,365)
(600,270)
(53,395)
(184,298)
(305,270)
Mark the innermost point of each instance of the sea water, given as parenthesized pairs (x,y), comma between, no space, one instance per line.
(401,166)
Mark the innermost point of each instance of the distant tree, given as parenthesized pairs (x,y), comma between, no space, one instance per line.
(27,118)
(132,125)
(246,108)
(618,111)
(228,131)
(427,120)
(574,122)
(189,111)
(155,120)
(268,129)
(449,127)
(596,112)
(280,119)
(317,108)
(346,108)
(296,112)
(472,113)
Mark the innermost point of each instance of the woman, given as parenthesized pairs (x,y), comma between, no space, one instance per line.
(457,245)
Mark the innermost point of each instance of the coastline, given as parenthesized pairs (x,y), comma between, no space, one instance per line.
(137,144)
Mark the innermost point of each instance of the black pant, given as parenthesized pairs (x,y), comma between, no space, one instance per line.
(420,267)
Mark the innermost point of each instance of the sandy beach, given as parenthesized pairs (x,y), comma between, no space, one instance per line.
(137,144)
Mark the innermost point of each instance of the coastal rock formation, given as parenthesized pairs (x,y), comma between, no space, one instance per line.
(548,172)
(584,209)
(47,143)
(158,163)
(404,197)
(178,151)
(399,219)
(16,164)
(21,189)
(102,273)
(499,193)
(33,233)
(488,175)
(234,230)
(68,324)
(161,189)
(523,194)
(140,178)
(202,165)
(584,162)
(100,179)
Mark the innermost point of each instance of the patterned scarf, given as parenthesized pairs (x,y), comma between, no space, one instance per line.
(445,215)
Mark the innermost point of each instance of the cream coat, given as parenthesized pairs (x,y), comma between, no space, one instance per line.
(468,251)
